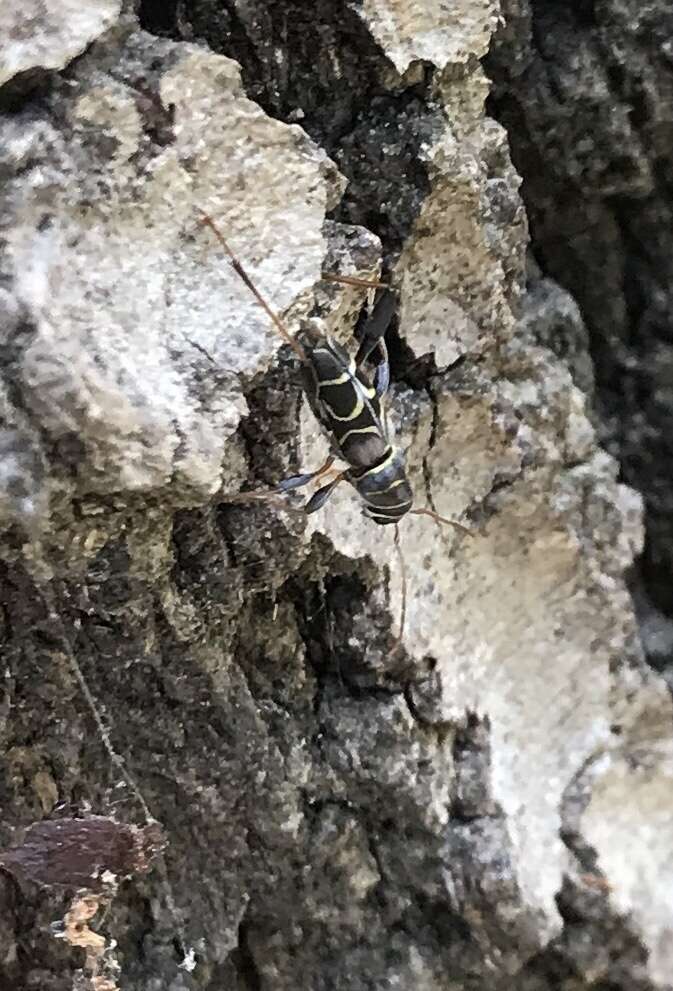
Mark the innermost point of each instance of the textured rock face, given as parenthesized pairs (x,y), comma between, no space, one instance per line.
(584,90)
(48,34)
(457,813)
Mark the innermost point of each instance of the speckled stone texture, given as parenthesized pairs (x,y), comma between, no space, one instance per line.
(488,807)
(41,35)
(585,92)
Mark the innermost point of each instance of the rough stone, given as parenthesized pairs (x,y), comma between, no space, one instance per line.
(48,34)
(429,32)
(106,239)
(583,90)
(451,814)
(627,822)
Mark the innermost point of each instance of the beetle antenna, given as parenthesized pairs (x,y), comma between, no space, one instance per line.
(271,498)
(352,280)
(403,575)
(440,519)
(242,274)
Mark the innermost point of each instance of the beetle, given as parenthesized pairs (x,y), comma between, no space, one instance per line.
(349,407)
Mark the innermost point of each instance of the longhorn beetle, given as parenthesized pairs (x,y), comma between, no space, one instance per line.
(349,408)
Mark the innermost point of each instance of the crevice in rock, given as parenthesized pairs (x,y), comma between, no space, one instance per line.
(244,960)
(269,429)
(160,16)
(330,612)
(427,473)
(30,85)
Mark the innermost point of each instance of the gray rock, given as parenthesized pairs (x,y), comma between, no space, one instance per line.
(49,34)
(451,814)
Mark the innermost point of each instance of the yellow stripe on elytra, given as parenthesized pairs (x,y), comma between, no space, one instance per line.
(381,467)
(353,415)
(393,485)
(359,430)
(341,380)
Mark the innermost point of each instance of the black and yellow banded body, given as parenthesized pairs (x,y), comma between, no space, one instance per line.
(348,407)
(384,488)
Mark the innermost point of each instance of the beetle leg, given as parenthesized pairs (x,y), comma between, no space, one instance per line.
(352,280)
(373,338)
(441,519)
(298,481)
(319,498)
(382,371)
(403,607)
(274,496)
(376,326)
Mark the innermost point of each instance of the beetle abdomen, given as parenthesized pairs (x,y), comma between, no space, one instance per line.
(385,489)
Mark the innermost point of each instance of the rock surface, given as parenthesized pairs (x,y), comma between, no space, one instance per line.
(48,34)
(472,810)
(584,91)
